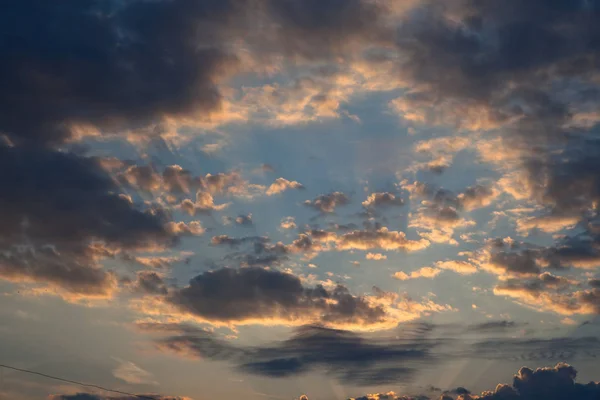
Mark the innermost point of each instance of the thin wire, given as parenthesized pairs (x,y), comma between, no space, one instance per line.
(76,383)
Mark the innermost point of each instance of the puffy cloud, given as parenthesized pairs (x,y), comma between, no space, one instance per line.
(204,203)
(382,239)
(376,256)
(438,214)
(425,272)
(327,203)
(381,200)
(150,282)
(193,228)
(142,66)
(458,266)
(552,383)
(281,184)
(288,223)
(243,220)
(255,295)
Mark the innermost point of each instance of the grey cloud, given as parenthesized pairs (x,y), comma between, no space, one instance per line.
(344,355)
(548,383)
(62,212)
(327,203)
(236,295)
(222,240)
(127,66)
(150,282)
(382,199)
(494,326)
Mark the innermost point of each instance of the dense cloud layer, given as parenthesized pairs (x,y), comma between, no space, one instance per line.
(61,213)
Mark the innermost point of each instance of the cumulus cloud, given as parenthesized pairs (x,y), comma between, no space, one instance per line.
(439,212)
(552,383)
(204,203)
(382,199)
(281,185)
(376,256)
(129,372)
(252,295)
(425,272)
(288,223)
(382,239)
(327,203)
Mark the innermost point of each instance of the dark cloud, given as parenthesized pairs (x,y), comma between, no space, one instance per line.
(343,355)
(494,326)
(150,282)
(129,64)
(553,349)
(317,28)
(246,294)
(327,203)
(382,199)
(494,58)
(60,214)
(223,240)
(548,383)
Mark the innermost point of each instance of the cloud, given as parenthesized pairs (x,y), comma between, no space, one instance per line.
(493,326)
(204,203)
(425,272)
(242,220)
(150,282)
(327,203)
(255,295)
(192,228)
(382,239)
(343,355)
(288,223)
(458,266)
(548,292)
(551,383)
(382,200)
(376,256)
(251,295)
(129,372)
(129,67)
(58,242)
(439,212)
(281,185)
(324,29)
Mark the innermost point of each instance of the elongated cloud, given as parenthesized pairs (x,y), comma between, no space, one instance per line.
(281,184)
(343,355)
(260,296)
(81,220)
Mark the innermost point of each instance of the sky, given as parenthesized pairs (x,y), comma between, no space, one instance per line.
(300,199)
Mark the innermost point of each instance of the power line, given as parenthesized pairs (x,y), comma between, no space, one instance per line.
(76,383)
